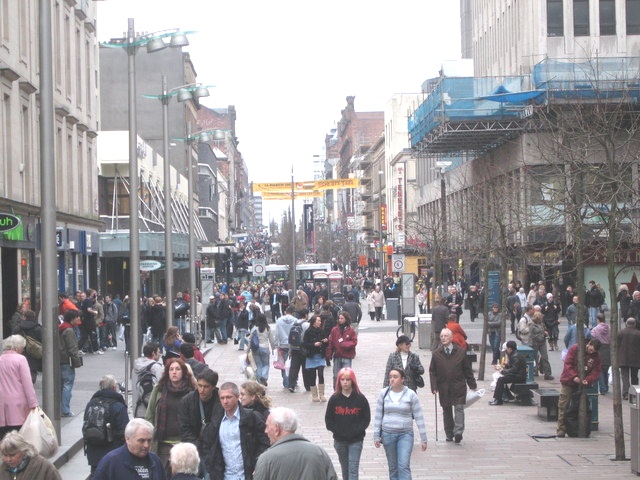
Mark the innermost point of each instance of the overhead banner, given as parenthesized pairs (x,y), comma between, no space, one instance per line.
(287,195)
(337,183)
(318,185)
(282,187)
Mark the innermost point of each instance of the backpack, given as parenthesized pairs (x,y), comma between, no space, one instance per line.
(145,384)
(571,415)
(97,428)
(295,336)
(254,343)
(33,348)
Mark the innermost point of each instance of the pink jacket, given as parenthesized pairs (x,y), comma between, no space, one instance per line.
(18,395)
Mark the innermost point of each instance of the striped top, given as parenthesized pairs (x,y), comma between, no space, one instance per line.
(399,412)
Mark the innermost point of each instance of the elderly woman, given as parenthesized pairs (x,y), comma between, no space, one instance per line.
(21,461)
(162,412)
(18,395)
(185,461)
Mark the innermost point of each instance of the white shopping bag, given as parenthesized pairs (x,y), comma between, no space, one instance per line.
(473,396)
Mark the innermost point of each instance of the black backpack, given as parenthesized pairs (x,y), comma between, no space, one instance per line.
(97,427)
(145,384)
(571,415)
(295,336)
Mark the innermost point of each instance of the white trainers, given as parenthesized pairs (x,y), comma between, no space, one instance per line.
(98,352)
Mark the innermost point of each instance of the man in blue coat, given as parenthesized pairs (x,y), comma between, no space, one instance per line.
(134,460)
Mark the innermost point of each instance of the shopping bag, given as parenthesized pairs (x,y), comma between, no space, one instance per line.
(473,396)
(147,337)
(39,432)
(278,360)
(494,382)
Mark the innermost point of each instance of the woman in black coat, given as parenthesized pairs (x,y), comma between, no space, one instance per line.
(408,361)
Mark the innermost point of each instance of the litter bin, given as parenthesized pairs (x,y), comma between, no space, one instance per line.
(424,330)
(634,398)
(393,309)
(530,356)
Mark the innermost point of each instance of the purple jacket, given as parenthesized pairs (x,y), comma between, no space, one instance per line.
(18,395)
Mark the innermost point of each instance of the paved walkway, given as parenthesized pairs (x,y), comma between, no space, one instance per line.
(498,442)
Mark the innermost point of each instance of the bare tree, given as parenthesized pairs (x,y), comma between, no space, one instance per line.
(594,143)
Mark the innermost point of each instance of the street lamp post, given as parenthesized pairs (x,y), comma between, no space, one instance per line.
(192,91)
(380,174)
(292,270)
(50,364)
(203,136)
(154,42)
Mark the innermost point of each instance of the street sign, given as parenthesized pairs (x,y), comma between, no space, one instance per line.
(8,222)
(397,262)
(259,267)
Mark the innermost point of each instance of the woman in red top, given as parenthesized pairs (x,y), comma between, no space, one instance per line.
(342,344)
(459,337)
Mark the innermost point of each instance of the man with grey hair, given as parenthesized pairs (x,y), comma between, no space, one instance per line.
(134,460)
(291,456)
(105,419)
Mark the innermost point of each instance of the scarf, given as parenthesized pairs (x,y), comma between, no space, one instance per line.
(162,406)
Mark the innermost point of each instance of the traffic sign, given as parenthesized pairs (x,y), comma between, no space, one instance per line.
(397,262)
(259,267)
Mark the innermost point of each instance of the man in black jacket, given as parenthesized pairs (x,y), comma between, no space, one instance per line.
(353,309)
(515,371)
(194,404)
(236,429)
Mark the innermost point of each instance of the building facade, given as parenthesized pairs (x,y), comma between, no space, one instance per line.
(484,143)
(75,68)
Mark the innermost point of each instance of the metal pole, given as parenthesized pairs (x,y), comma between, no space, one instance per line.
(168,232)
(134,232)
(382,269)
(292,270)
(50,374)
(192,234)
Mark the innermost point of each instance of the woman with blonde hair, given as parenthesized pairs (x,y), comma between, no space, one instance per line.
(254,396)
(18,395)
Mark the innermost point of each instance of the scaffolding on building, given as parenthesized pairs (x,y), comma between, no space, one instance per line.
(474,115)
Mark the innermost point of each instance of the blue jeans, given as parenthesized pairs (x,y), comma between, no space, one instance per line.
(222,325)
(262,358)
(242,338)
(398,448)
(338,364)
(349,456)
(285,375)
(494,341)
(603,381)
(68,375)
(593,311)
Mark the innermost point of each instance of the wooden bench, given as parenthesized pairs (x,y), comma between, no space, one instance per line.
(522,392)
(547,400)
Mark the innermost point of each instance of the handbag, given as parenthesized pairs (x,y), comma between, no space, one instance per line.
(38,430)
(278,362)
(76,362)
(419,381)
